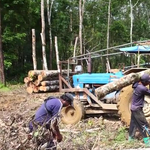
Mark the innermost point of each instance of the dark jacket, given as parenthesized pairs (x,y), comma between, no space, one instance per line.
(138,95)
(45,115)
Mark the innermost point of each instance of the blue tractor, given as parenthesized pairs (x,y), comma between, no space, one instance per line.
(83,86)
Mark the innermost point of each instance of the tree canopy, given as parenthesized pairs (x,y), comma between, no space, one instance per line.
(18,18)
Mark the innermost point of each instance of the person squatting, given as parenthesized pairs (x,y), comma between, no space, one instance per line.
(43,128)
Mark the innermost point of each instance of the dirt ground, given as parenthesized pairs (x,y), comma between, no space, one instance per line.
(92,133)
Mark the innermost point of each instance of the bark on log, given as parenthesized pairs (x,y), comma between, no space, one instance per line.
(33,73)
(52,73)
(49,88)
(119,84)
(34,49)
(45,75)
(38,82)
(53,82)
(46,78)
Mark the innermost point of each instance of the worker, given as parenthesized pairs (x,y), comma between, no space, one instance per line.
(138,120)
(46,119)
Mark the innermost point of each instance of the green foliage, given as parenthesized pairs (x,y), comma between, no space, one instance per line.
(3,88)
(118,33)
(19,17)
(90,122)
(1,85)
(7,64)
(121,134)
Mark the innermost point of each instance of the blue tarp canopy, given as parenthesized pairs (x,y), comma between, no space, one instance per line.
(136,49)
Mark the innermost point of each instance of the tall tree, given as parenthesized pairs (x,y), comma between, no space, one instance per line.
(49,12)
(131,20)
(2,75)
(43,36)
(108,24)
(34,49)
(81,13)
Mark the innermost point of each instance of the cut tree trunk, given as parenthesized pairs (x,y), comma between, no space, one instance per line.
(33,73)
(2,74)
(119,84)
(34,49)
(57,54)
(27,79)
(29,90)
(46,78)
(42,80)
(46,83)
(49,74)
(36,89)
(49,88)
(43,36)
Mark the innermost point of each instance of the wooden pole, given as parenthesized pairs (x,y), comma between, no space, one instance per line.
(75,45)
(57,54)
(49,11)
(43,36)
(2,74)
(34,49)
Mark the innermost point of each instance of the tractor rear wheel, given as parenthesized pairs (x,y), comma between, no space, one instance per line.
(72,115)
(124,104)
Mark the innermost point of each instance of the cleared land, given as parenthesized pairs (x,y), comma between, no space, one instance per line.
(93,133)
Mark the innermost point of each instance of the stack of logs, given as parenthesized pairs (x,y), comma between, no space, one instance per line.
(42,81)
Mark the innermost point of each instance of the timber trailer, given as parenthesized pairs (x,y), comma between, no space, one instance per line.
(85,86)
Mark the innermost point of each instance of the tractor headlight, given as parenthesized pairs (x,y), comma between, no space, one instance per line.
(87,85)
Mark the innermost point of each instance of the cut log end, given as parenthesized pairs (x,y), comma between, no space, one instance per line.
(29,90)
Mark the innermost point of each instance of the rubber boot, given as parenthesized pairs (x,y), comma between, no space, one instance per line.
(130,139)
(146,141)
(51,145)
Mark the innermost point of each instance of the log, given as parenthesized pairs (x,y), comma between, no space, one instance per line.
(27,79)
(53,82)
(29,90)
(53,73)
(36,89)
(33,73)
(49,88)
(119,84)
(32,88)
(57,54)
(34,49)
(37,82)
(46,78)
(50,74)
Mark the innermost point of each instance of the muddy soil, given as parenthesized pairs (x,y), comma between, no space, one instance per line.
(93,133)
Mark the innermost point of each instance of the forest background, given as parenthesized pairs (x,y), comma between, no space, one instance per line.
(105,23)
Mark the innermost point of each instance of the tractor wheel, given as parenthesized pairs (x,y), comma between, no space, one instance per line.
(72,115)
(124,104)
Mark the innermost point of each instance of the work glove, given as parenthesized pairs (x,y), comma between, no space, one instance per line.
(59,137)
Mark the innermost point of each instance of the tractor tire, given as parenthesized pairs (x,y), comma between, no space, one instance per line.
(124,103)
(72,115)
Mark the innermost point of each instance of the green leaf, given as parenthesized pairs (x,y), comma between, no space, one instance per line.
(36,134)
